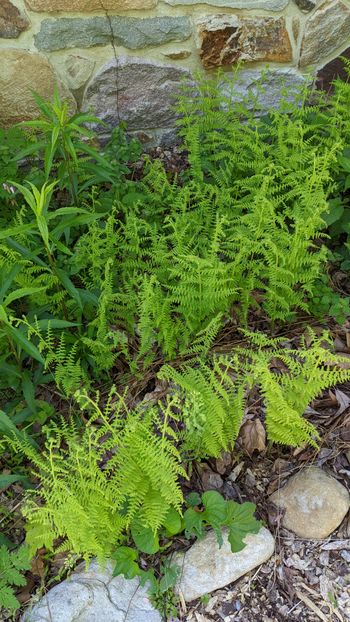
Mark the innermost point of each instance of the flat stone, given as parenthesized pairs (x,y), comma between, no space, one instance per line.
(135,91)
(266,5)
(306,5)
(12,22)
(227,39)
(325,30)
(266,88)
(332,70)
(177,55)
(21,73)
(94,595)
(87,6)
(131,32)
(315,503)
(78,71)
(205,567)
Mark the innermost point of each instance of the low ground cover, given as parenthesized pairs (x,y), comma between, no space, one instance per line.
(143,315)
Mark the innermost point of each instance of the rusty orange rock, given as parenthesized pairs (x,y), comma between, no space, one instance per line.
(227,39)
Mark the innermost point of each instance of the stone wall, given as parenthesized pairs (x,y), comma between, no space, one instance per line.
(126,58)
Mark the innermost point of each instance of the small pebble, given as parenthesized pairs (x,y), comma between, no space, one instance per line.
(345,555)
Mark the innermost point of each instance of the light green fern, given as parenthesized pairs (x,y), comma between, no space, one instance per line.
(12,566)
(95,482)
(215,396)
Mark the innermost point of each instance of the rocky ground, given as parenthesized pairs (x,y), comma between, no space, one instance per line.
(305,579)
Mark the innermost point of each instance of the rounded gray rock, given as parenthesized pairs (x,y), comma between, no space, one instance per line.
(206,567)
(315,503)
(94,595)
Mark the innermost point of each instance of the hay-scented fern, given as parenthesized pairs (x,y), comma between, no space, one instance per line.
(241,230)
(119,473)
(215,393)
(151,274)
(13,564)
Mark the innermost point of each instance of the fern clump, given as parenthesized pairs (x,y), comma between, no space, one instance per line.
(215,396)
(122,469)
(121,473)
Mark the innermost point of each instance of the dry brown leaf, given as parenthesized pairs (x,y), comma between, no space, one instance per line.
(275,515)
(209,479)
(339,345)
(253,436)
(344,363)
(281,465)
(343,400)
(223,463)
(24,595)
(347,336)
(38,565)
(298,450)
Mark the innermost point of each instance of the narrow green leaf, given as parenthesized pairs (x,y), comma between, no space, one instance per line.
(28,389)
(19,230)
(23,343)
(21,293)
(7,480)
(70,287)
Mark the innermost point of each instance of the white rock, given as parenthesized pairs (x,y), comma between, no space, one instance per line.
(205,567)
(94,595)
(315,503)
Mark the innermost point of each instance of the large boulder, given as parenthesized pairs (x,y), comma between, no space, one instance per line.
(265,5)
(12,22)
(139,92)
(130,32)
(326,30)
(227,39)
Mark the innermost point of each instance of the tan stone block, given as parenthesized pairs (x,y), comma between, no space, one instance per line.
(86,6)
(325,31)
(227,39)
(78,70)
(178,55)
(21,73)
